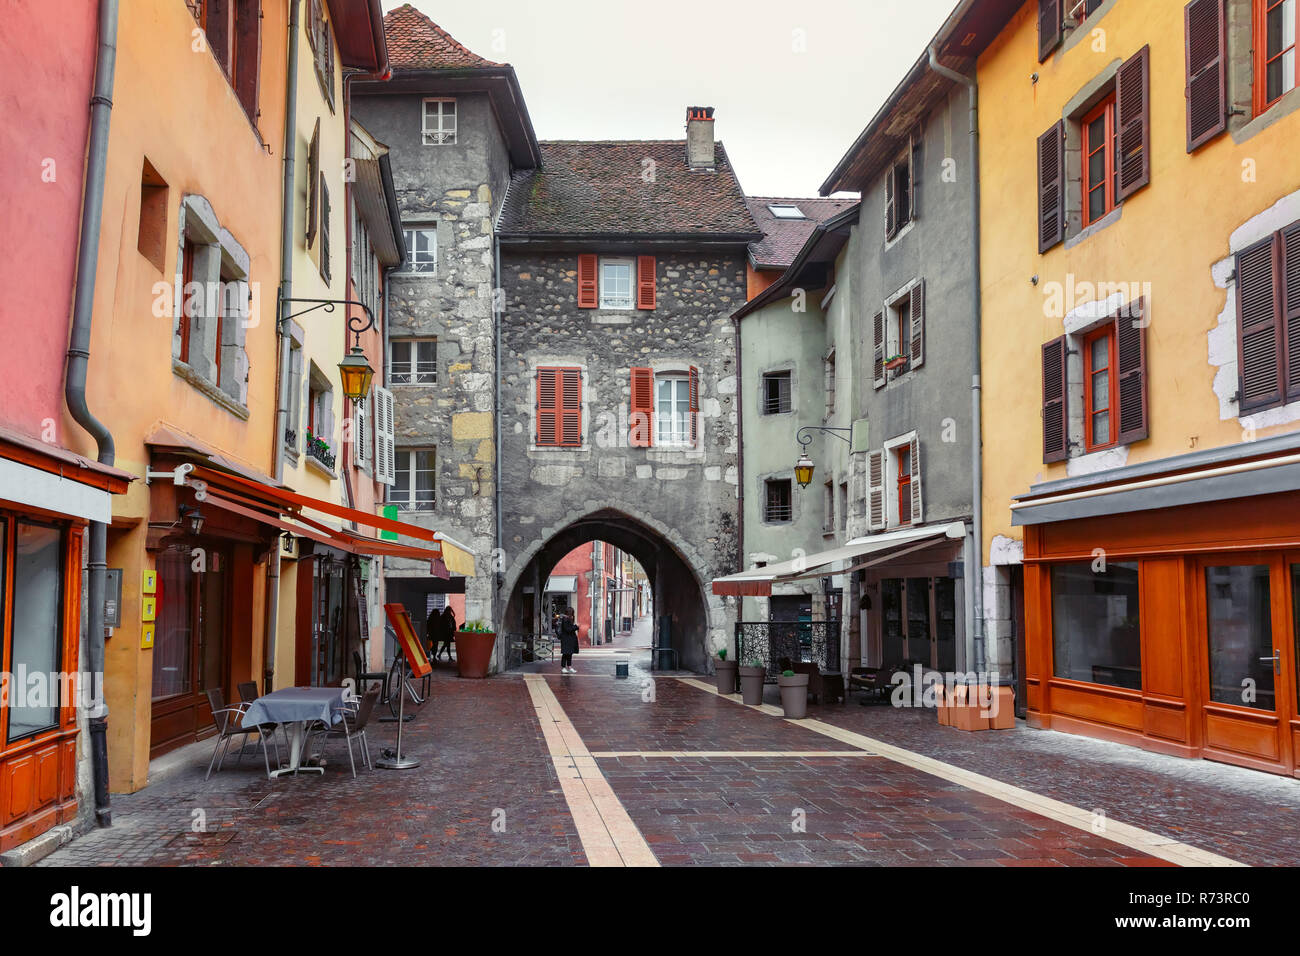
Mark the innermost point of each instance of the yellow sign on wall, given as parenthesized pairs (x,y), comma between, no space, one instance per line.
(148,608)
(146,636)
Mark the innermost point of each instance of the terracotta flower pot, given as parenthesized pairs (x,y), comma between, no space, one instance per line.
(725,675)
(474,652)
(751,683)
(794,695)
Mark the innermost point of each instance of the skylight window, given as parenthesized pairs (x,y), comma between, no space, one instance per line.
(785,211)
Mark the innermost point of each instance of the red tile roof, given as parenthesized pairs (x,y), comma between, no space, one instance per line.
(601,188)
(417,43)
(783,238)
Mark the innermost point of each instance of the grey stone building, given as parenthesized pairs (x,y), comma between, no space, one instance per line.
(457,129)
(621,263)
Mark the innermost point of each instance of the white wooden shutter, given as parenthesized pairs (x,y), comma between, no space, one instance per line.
(360,414)
(876,489)
(917,330)
(917,516)
(385,453)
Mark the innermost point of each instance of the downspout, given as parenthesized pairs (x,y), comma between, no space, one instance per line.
(974,576)
(740,476)
(282,331)
(498,312)
(83,307)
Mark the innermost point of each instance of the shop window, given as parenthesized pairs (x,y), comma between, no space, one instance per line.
(1238,619)
(777,500)
(1096,635)
(36,641)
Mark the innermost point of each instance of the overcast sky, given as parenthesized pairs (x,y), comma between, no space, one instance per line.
(793,81)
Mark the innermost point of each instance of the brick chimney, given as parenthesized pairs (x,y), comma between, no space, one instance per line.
(699,137)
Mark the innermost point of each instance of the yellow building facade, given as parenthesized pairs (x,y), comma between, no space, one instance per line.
(1141,372)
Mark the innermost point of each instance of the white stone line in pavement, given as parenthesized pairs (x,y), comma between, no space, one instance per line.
(687,754)
(609,837)
(1153,844)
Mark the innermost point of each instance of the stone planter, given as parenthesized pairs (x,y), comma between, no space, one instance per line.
(725,675)
(794,695)
(474,652)
(751,683)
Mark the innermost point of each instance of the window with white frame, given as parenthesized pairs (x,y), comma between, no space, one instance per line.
(672,410)
(616,280)
(413,485)
(421,249)
(439,127)
(785,211)
(413,362)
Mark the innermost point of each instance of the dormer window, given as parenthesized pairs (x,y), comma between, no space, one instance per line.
(785,211)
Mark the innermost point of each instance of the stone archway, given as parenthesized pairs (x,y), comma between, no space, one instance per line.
(678,587)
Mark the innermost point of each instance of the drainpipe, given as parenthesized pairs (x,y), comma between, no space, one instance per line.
(92,208)
(974,577)
(498,313)
(282,332)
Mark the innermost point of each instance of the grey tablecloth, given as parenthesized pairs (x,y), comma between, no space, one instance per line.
(294,704)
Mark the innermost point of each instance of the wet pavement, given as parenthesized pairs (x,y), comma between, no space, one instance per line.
(702,779)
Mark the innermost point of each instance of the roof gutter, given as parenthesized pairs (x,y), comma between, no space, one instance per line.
(78,361)
(973,579)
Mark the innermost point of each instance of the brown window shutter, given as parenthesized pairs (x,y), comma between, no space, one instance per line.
(248,55)
(1133,124)
(588,290)
(1051,27)
(1206,39)
(1051,187)
(547,410)
(917,314)
(878,334)
(693,399)
(571,407)
(645,282)
(891,205)
(642,407)
(313,182)
(1055,439)
(1291,307)
(916,480)
(1259,360)
(876,489)
(1131,371)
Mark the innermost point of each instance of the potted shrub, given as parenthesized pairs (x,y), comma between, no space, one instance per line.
(474,643)
(725,673)
(794,694)
(752,676)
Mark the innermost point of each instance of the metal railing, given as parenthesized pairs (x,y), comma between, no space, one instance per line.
(776,643)
(524,649)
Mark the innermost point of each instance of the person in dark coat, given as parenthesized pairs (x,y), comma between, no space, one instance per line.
(568,642)
(433,631)
(448,631)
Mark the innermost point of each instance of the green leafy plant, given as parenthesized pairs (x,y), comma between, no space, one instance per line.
(787,673)
(722,654)
(754,662)
(476,627)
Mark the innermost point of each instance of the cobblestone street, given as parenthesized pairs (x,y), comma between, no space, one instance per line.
(544,769)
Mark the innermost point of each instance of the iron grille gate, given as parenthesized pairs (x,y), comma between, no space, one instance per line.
(772,642)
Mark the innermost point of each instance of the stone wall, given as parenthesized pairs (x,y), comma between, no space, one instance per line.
(684,498)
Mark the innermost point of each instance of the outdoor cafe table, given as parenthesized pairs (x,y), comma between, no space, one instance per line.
(296,707)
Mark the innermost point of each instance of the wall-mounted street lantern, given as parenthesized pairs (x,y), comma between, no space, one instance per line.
(193,519)
(804,467)
(354,371)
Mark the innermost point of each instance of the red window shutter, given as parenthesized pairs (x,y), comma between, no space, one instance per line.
(570,407)
(1051,27)
(588,290)
(693,397)
(642,407)
(1133,124)
(1291,308)
(1259,360)
(547,407)
(878,336)
(645,282)
(1051,187)
(1131,372)
(1206,37)
(1055,438)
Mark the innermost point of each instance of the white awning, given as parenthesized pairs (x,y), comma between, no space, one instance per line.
(858,553)
(36,488)
(562,583)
